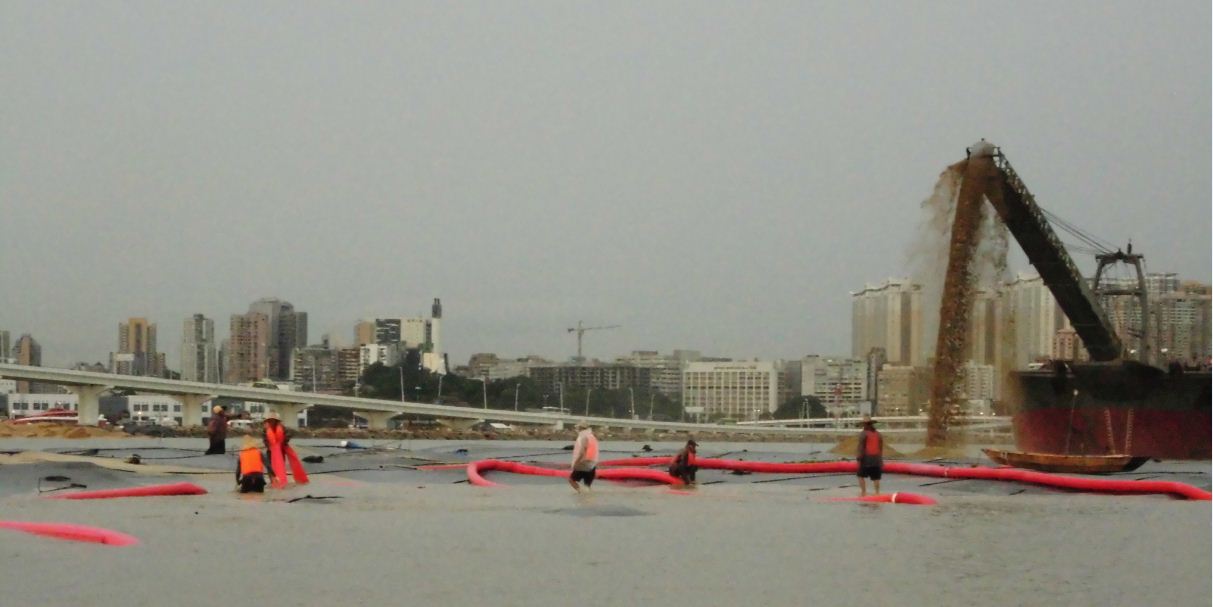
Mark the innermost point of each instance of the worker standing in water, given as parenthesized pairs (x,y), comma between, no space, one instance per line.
(870,457)
(216,430)
(683,466)
(250,468)
(275,438)
(585,457)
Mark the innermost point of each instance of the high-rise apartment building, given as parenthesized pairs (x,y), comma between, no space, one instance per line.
(387,331)
(27,352)
(315,369)
(199,356)
(1036,319)
(986,327)
(349,366)
(1182,324)
(415,333)
(364,332)
(1068,346)
(979,382)
(137,354)
(6,348)
(889,316)
(286,330)
(248,348)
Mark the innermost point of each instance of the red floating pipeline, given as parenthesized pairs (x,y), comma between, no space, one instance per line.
(146,491)
(476,469)
(1017,475)
(69,531)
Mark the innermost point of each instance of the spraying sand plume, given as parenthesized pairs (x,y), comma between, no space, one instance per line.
(976,254)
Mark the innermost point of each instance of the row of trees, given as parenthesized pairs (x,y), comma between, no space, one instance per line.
(419,385)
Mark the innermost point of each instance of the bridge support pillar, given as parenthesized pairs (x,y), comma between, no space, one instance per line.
(89,407)
(377,420)
(191,408)
(288,413)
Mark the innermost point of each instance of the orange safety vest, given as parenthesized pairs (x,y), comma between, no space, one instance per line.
(276,435)
(250,462)
(871,443)
(591,447)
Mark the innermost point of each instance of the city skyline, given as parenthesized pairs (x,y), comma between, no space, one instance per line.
(906,326)
(715,181)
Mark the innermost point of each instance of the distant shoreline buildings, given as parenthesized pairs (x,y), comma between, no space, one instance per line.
(137,353)
(1015,325)
(887,372)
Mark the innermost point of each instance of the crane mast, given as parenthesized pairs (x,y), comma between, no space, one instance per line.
(580,330)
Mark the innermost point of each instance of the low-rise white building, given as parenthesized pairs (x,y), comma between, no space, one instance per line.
(840,383)
(738,390)
(666,371)
(155,408)
(384,354)
(25,405)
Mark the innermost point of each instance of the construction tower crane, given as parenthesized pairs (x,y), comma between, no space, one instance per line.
(580,330)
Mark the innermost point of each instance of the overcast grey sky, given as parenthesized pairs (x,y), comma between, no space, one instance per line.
(709,175)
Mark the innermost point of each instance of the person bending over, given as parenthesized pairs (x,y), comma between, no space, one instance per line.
(683,467)
(250,468)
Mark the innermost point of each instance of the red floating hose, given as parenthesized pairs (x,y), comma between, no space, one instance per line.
(891,498)
(1060,481)
(1017,475)
(476,469)
(149,490)
(68,531)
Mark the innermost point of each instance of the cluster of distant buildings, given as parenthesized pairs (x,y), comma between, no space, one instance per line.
(887,372)
(266,346)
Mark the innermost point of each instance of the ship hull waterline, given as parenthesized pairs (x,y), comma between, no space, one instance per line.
(1114,408)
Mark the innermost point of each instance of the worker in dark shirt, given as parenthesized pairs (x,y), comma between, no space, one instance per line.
(217,430)
(683,466)
(870,456)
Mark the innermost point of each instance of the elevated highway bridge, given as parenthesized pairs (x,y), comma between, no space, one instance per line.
(193,396)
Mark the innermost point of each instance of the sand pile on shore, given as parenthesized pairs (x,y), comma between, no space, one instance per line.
(850,446)
(48,430)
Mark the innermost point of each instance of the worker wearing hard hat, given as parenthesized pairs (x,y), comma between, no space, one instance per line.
(250,468)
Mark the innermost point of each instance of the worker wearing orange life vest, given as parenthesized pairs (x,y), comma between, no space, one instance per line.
(274,436)
(250,469)
(585,457)
(870,457)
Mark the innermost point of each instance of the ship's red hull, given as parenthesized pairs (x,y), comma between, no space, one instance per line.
(1100,408)
(1155,433)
